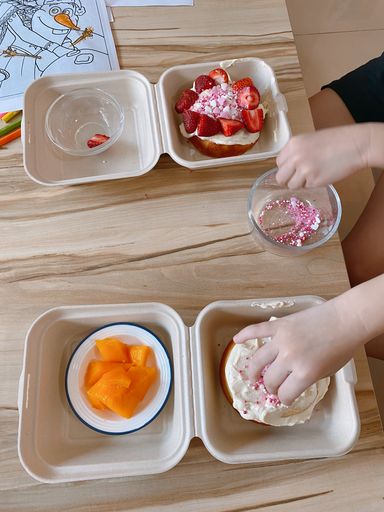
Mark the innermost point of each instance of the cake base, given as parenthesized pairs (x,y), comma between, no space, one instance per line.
(209,148)
(223,380)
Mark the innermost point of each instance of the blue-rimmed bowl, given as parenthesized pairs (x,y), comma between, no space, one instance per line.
(105,421)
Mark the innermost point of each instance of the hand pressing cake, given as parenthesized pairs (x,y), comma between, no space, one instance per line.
(252,400)
(221,118)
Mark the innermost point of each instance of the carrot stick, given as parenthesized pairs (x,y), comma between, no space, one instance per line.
(10,136)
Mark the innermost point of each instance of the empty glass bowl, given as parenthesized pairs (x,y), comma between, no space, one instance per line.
(77,116)
(292,222)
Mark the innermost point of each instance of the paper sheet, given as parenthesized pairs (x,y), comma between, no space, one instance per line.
(145,3)
(41,37)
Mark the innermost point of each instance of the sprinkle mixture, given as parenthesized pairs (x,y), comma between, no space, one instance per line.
(220,101)
(265,397)
(289,221)
(269,397)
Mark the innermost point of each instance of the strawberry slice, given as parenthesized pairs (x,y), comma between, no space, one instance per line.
(240,84)
(190,120)
(219,75)
(248,97)
(203,82)
(230,126)
(96,140)
(253,119)
(186,100)
(207,126)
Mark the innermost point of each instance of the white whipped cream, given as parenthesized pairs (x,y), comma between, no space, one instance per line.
(241,137)
(253,402)
(277,304)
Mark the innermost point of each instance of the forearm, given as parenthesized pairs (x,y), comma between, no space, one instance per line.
(374,151)
(360,311)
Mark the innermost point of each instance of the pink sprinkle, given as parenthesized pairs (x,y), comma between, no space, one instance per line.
(305,218)
(218,102)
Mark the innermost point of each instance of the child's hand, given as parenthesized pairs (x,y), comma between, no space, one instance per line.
(323,157)
(304,348)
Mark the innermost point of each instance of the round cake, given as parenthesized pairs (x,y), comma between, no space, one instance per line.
(221,118)
(252,400)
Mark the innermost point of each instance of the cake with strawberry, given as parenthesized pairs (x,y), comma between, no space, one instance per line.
(221,118)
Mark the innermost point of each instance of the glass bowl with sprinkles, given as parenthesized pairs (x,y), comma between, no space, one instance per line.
(291,222)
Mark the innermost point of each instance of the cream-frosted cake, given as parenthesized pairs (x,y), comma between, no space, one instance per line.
(252,400)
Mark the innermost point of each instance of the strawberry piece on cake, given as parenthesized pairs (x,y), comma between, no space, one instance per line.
(97,140)
(219,75)
(207,126)
(230,126)
(248,98)
(191,120)
(203,82)
(253,119)
(240,84)
(186,100)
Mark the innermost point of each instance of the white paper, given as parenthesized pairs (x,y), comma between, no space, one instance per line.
(110,14)
(146,3)
(41,37)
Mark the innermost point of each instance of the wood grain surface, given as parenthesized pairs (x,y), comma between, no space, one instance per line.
(180,238)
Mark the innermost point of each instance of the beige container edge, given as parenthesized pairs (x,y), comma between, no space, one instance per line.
(151,123)
(54,446)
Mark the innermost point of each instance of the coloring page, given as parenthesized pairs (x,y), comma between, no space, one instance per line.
(41,37)
(143,3)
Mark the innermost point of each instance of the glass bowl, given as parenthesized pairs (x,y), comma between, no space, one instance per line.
(75,117)
(106,421)
(291,222)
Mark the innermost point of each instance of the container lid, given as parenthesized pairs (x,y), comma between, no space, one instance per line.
(54,446)
(134,153)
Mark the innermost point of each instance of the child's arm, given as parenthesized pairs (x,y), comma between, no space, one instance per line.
(326,156)
(315,343)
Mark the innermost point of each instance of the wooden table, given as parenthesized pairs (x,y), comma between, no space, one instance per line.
(180,238)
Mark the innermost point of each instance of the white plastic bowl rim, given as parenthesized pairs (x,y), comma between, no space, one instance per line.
(114,425)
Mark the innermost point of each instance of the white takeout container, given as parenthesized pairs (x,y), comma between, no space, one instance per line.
(54,446)
(151,123)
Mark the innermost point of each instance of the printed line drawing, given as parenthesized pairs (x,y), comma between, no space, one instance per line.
(40,37)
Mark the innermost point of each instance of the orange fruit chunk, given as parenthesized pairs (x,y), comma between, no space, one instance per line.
(112,349)
(138,354)
(96,369)
(120,380)
(141,379)
(121,402)
(110,390)
(97,404)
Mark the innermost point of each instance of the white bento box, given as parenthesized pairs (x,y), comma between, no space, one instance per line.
(54,446)
(151,123)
